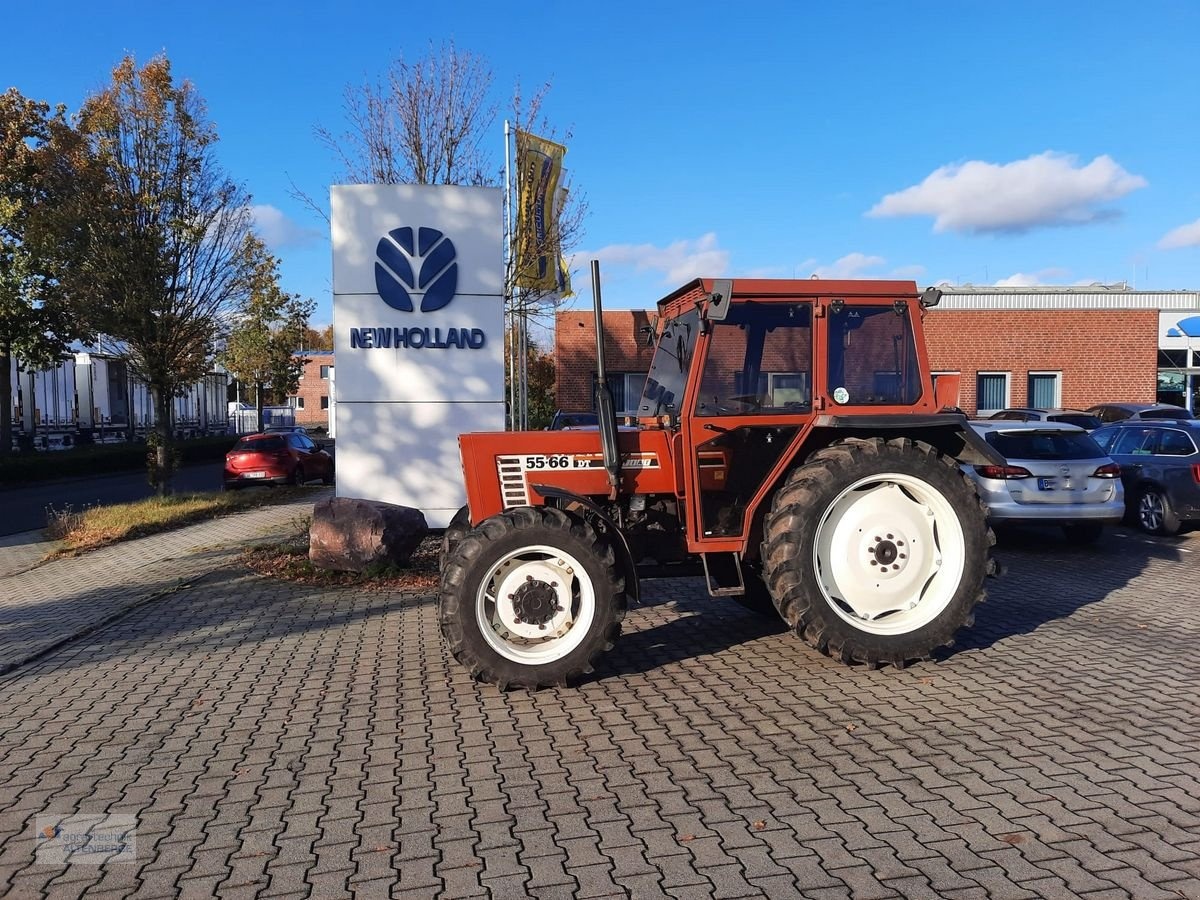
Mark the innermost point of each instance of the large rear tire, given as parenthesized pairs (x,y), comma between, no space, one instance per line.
(530,598)
(875,551)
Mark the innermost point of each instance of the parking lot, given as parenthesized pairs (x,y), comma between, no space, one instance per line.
(276,740)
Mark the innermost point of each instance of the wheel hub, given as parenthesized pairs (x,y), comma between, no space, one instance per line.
(887,552)
(535,602)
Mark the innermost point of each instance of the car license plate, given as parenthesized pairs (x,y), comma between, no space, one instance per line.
(1047,484)
(254,474)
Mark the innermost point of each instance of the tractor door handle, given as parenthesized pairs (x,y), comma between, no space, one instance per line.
(708,426)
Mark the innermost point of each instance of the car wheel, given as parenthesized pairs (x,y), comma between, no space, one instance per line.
(297,475)
(1083,532)
(1154,512)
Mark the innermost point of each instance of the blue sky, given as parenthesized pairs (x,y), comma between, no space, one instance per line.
(1010,143)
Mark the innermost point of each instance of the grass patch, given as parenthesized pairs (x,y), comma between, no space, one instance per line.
(289,561)
(93,527)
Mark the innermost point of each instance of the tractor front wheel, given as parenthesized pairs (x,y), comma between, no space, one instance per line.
(875,551)
(531,598)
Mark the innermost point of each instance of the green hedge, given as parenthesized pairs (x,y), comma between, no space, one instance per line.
(100,459)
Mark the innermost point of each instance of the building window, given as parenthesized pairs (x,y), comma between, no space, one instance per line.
(324,402)
(1045,390)
(626,390)
(297,403)
(991,392)
(324,371)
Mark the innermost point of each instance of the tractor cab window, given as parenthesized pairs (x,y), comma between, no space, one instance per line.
(667,378)
(872,356)
(759,362)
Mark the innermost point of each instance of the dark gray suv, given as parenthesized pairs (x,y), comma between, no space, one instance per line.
(1160,466)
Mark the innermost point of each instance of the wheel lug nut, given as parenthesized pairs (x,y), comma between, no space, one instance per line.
(541,627)
(895,567)
(529,578)
(902,556)
(874,563)
(889,537)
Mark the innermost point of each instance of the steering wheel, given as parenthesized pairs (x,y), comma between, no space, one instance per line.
(750,400)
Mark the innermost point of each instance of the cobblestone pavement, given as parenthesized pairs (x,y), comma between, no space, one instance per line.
(275,740)
(41,605)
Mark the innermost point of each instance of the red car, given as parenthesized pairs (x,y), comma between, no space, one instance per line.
(276,459)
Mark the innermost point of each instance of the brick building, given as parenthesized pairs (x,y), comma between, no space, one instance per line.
(1072,346)
(313,400)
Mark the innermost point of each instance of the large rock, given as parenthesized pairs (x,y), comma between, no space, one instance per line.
(353,535)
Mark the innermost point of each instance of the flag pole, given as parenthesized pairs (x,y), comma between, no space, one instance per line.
(509,272)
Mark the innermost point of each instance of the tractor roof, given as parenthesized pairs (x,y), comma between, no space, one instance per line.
(785,289)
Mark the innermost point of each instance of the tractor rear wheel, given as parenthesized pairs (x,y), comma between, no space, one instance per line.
(530,598)
(875,551)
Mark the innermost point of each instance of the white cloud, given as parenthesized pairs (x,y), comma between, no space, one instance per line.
(1183,236)
(1034,279)
(277,230)
(857,265)
(1045,189)
(679,261)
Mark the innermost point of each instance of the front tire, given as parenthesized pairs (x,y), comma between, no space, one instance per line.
(531,598)
(875,551)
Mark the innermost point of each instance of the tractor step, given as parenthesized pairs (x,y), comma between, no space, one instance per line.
(724,577)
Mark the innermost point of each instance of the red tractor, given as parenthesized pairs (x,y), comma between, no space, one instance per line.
(790,444)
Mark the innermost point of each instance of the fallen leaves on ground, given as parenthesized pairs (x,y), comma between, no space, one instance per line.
(289,562)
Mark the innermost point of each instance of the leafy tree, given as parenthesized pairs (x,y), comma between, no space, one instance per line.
(44,172)
(540,371)
(166,260)
(317,340)
(268,327)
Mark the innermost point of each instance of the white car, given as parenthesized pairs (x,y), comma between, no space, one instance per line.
(1054,474)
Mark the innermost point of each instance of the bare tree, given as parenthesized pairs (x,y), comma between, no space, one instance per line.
(434,122)
(165,261)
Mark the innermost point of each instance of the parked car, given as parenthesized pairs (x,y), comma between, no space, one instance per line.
(566,421)
(1160,466)
(285,429)
(1054,474)
(1119,412)
(287,458)
(1084,420)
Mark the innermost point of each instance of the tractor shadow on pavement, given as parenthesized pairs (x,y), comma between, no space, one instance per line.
(1047,579)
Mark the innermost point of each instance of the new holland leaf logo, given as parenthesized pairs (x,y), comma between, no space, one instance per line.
(426,265)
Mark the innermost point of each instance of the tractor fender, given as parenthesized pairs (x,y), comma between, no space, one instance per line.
(949,433)
(565,500)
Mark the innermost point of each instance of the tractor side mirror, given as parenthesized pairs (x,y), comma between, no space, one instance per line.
(718,300)
(649,331)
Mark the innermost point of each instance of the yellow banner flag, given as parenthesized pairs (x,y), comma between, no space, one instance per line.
(539,170)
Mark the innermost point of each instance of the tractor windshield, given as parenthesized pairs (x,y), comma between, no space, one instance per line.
(668,372)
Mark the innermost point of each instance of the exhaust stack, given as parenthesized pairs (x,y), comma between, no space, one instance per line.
(606,415)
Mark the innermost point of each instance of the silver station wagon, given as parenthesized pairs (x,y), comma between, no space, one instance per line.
(1054,474)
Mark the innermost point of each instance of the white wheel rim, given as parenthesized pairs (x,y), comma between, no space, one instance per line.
(890,554)
(535,605)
